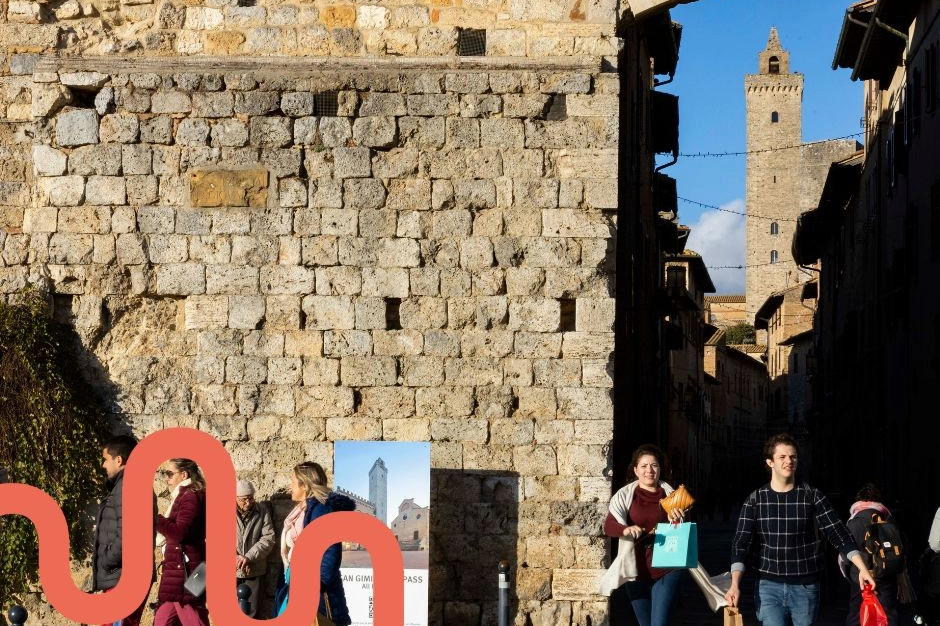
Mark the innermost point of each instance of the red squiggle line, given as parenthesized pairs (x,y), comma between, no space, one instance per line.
(216,464)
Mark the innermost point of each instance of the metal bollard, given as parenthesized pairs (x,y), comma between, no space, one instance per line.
(243,592)
(503,593)
(17,615)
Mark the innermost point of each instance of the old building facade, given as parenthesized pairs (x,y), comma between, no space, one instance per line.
(735,424)
(875,235)
(413,221)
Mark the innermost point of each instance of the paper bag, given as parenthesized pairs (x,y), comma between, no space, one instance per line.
(733,616)
(713,588)
(675,545)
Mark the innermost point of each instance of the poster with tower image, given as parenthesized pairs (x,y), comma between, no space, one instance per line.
(392,481)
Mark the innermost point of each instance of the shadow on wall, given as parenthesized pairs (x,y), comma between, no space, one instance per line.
(474,525)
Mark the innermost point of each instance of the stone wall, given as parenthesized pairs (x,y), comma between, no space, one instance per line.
(289,254)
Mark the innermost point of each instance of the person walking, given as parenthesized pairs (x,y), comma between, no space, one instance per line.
(868,503)
(254,536)
(633,514)
(784,517)
(313,498)
(183,534)
(107,557)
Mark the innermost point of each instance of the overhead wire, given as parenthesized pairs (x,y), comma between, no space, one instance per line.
(754,215)
(762,150)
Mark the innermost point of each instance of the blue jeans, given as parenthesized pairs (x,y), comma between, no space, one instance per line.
(653,601)
(775,602)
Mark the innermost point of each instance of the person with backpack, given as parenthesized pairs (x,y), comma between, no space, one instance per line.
(877,535)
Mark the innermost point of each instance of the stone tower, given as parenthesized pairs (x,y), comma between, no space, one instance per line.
(774,98)
(378,489)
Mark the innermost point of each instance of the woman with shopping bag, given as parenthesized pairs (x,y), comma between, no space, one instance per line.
(634,512)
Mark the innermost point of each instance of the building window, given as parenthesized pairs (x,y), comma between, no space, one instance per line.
(773,256)
(774,228)
(774,117)
(773,66)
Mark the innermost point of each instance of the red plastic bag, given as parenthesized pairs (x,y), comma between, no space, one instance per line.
(871,613)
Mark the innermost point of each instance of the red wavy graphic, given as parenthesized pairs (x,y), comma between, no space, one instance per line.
(214,460)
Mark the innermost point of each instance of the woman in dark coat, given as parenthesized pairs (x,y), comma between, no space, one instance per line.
(308,489)
(184,531)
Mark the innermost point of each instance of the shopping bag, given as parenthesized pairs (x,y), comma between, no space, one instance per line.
(871,613)
(713,587)
(675,545)
(733,616)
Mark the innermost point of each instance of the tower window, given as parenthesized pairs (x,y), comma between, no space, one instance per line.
(773,256)
(774,228)
(773,66)
(774,117)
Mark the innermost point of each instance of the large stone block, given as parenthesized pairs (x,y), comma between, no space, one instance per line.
(360,371)
(47,161)
(77,127)
(181,279)
(62,190)
(105,190)
(235,188)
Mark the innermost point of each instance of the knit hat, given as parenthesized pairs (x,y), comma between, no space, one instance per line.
(244,488)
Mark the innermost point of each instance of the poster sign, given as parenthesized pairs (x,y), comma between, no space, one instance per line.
(392,481)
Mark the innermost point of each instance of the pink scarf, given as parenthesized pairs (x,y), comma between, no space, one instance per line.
(861,505)
(854,510)
(293,525)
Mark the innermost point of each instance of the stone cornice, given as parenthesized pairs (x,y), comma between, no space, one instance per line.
(284,66)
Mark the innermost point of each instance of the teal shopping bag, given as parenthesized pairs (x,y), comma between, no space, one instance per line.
(675,545)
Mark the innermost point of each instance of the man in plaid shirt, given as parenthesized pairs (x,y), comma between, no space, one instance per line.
(785,519)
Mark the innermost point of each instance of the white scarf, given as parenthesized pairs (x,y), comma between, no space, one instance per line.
(186,482)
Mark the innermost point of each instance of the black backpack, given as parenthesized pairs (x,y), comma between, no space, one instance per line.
(884,546)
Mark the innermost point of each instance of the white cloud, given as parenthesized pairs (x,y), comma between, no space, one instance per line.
(719,237)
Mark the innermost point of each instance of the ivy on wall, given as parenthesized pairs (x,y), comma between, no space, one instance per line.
(51,429)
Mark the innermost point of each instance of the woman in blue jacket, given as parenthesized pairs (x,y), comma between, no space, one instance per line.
(309,490)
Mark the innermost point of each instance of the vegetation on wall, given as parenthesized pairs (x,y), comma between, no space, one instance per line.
(51,430)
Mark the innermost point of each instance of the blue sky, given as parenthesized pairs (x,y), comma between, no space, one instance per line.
(408,464)
(720,43)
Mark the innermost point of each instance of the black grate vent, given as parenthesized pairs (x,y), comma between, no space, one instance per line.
(558,110)
(471,42)
(326,104)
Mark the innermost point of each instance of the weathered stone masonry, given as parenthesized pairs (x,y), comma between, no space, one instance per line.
(289,254)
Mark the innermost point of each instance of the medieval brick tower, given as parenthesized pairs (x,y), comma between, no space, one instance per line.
(774,123)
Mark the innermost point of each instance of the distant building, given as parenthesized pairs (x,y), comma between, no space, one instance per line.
(378,489)
(724,311)
(411,525)
(787,316)
(735,424)
(784,177)
(687,282)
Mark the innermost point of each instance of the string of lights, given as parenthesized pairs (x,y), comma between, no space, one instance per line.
(741,267)
(695,155)
(718,208)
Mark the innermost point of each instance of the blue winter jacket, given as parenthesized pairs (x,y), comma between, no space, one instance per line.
(331,581)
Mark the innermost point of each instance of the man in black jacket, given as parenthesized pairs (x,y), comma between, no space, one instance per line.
(106,560)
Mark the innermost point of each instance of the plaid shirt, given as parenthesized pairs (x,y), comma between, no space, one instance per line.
(785,525)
